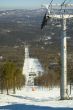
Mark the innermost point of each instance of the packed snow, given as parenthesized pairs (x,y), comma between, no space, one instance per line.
(34,98)
(39,99)
(31,68)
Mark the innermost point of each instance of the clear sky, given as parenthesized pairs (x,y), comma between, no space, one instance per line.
(27,3)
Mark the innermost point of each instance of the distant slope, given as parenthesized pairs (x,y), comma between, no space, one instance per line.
(18,26)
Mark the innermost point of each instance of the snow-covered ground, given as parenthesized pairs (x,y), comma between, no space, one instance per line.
(40,99)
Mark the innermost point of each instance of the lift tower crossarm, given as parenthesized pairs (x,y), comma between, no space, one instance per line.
(60,16)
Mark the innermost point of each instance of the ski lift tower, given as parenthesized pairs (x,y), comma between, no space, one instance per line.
(64,16)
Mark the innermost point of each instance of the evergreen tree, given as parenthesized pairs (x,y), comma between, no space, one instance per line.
(11,77)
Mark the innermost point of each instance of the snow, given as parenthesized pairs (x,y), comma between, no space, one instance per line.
(40,99)
(31,65)
(31,68)
(34,65)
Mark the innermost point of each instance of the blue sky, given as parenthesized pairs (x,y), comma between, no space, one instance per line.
(27,3)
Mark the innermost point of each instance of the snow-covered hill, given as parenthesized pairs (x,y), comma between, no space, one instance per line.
(40,99)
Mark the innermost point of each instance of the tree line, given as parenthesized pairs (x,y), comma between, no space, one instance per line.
(49,79)
(52,74)
(11,77)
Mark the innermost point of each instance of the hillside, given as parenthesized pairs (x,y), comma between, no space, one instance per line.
(19,26)
(41,99)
